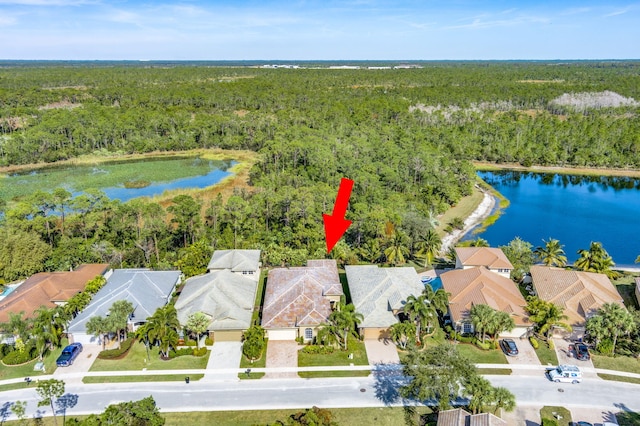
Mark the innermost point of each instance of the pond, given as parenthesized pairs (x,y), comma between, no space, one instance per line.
(158,175)
(572,209)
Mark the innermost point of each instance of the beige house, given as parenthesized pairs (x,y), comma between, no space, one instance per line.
(241,262)
(379,294)
(491,258)
(460,417)
(579,293)
(480,286)
(298,300)
(225,297)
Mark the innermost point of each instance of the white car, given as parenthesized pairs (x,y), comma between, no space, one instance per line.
(565,373)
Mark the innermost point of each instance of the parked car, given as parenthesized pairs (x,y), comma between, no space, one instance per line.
(582,351)
(509,347)
(565,373)
(582,424)
(68,354)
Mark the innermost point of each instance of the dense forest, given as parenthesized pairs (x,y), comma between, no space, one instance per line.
(405,136)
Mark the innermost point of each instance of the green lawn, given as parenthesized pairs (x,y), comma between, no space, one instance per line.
(26,370)
(338,357)
(315,374)
(494,371)
(136,359)
(547,412)
(479,356)
(262,281)
(259,363)
(545,355)
(463,209)
(618,363)
(615,378)
(146,378)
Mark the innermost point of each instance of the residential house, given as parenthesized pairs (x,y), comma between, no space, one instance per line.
(579,293)
(146,290)
(242,262)
(298,300)
(480,286)
(49,289)
(379,294)
(225,297)
(491,258)
(460,417)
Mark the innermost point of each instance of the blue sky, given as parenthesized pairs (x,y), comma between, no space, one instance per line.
(319,30)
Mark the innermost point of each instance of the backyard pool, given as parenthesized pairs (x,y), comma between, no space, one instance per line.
(434,282)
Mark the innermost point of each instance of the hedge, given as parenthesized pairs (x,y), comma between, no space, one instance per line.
(200,352)
(484,346)
(318,349)
(208,341)
(5,349)
(550,344)
(18,357)
(534,342)
(125,345)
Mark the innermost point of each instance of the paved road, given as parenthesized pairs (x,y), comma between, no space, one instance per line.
(379,390)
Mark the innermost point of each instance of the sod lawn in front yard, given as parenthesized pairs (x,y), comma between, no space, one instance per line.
(258,363)
(546,355)
(338,357)
(618,363)
(480,356)
(142,378)
(136,359)
(26,370)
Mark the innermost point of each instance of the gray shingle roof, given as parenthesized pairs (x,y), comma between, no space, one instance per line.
(225,297)
(376,291)
(235,260)
(146,290)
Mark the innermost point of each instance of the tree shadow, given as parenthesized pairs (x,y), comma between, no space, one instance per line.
(5,410)
(388,381)
(65,402)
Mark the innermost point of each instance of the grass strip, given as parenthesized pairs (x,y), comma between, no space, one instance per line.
(145,378)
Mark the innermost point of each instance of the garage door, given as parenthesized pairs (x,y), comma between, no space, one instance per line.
(289,334)
(228,336)
(85,339)
(376,333)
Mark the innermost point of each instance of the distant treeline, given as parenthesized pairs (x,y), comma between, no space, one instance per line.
(405,136)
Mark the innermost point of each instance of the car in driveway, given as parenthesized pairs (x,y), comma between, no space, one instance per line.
(509,347)
(582,352)
(69,354)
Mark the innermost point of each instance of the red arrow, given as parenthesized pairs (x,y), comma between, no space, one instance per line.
(335,225)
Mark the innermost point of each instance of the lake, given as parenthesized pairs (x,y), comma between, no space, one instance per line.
(572,209)
(164,173)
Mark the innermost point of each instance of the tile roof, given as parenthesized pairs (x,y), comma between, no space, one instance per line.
(235,260)
(295,297)
(146,290)
(46,288)
(225,297)
(579,293)
(479,286)
(460,417)
(490,257)
(377,291)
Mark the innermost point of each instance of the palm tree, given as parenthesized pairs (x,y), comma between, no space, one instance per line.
(401,332)
(397,250)
(162,328)
(346,319)
(198,323)
(119,316)
(503,398)
(99,327)
(482,317)
(421,311)
(551,254)
(479,391)
(546,315)
(428,246)
(18,326)
(328,335)
(617,321)
(370,251)
(596,259)
(439,299)
(479,242)
(501,321)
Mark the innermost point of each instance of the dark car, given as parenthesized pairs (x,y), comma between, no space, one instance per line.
(68,354)
(582,352)
(509,347)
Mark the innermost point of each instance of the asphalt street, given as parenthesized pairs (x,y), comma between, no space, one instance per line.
(298,393)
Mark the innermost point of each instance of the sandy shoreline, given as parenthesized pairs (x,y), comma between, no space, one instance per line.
(479,214)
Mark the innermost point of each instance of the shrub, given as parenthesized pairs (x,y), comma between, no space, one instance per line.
(18,357)
(5,349)
(484,346)
(494,344)
(550,344)
(200,352)
(549,422)
(534,342)
(605,347)
(208,341)
(181,352)
(120,352)
(190,343)
(318,349)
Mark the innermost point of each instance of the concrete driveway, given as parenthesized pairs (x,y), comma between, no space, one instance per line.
(526,416)
(81,364)
(224,356)
(566,357)
(381,352)
(282,353)
(526,355)
(594,416)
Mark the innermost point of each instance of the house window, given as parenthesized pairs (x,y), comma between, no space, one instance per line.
(247,272)
(467,328)
(308,334)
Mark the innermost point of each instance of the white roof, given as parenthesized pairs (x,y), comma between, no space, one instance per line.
(226,298)
(235,260)
(376,292)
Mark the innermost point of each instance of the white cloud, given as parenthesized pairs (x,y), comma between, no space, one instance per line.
(47,2)
(618,12)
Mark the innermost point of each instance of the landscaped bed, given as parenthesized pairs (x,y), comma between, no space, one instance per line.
(136,359)
(338,357)
(26,370)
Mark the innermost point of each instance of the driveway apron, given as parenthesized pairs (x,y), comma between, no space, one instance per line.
(381,352)
(526,355)
(281,353)
(567,357)
(224,361)
(81,364)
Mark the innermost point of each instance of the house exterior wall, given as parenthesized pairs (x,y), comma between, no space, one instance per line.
(254,275)
(504,272)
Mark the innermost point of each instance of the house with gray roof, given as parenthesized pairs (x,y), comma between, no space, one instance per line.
(379,294)
(241,262)
(226,298)
(146,290)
